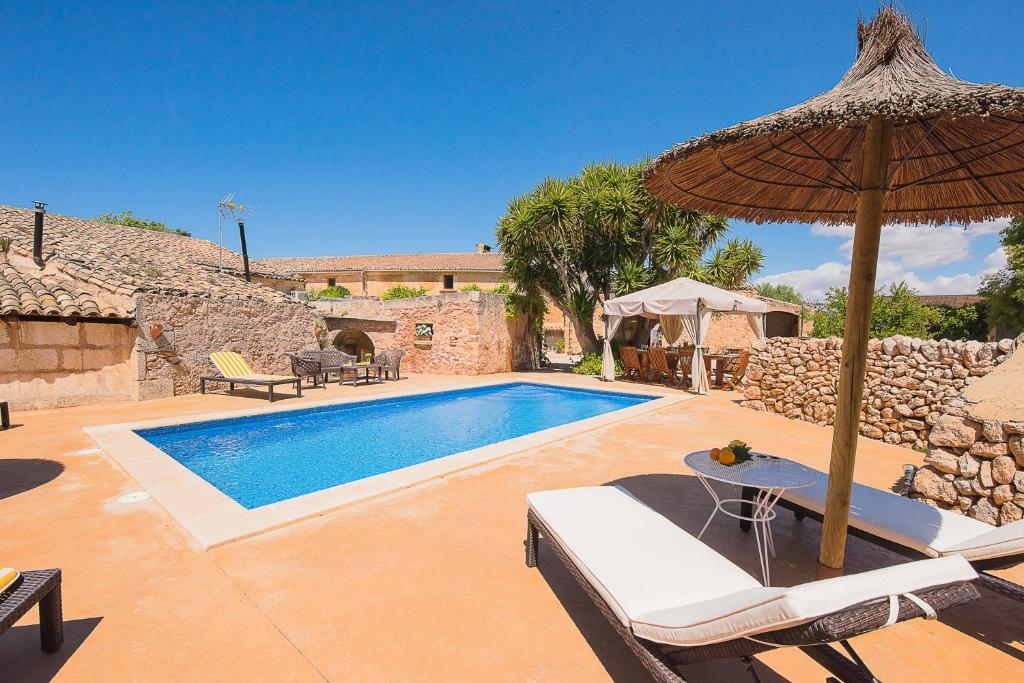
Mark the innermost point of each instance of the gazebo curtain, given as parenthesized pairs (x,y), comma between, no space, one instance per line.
(671,329)
(611,324)
(697,327)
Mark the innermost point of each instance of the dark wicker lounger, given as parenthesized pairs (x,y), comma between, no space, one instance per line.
(813,637)
(40,586)
(989,581)
(268,383)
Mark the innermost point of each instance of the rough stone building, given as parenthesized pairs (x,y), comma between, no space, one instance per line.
(171,302)
(373,275)
(463,333)
(111,312)
(60,345)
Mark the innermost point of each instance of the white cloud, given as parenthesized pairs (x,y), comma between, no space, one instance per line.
(991,227)
(995,261)
(962,283)
(972,230)
(902,250)
(825,230)
(920,247)
(812,283)
(915,246)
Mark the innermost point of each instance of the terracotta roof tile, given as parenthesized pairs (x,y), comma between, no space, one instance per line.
(456,263)
(129,260)
(22,293)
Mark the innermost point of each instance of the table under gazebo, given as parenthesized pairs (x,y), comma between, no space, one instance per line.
(680,306)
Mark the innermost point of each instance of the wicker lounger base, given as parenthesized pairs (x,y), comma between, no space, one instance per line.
(813,638)
(40,586)
(992,583)
(268,383)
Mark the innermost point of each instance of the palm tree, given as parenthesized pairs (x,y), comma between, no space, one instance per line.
(584,239)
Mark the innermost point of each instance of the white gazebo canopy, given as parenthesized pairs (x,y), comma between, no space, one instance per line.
(679,304)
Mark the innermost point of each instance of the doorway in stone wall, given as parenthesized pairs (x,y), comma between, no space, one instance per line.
(354,342)
(782,324)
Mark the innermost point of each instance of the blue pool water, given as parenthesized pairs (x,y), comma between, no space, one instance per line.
(264,459)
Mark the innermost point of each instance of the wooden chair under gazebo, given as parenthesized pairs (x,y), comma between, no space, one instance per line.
(897,140)
(680,305)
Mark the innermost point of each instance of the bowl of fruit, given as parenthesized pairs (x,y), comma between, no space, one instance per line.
(735,453)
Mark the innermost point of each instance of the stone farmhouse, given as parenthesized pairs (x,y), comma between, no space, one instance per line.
(374,275)
(446,273)
(93,312)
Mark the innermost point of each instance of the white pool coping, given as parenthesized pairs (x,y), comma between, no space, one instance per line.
(214,518)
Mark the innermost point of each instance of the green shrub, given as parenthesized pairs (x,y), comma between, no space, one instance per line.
(590,364)
(131,220)
(780,292)
(403,292)
(967,323)
(335,292)
(895,311)
(472,287)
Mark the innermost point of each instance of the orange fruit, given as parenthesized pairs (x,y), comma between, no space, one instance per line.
(715,452)
(727,457)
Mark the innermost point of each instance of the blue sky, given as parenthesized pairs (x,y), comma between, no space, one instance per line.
(407,127)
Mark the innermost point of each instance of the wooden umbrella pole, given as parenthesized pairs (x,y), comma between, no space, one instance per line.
(876,151)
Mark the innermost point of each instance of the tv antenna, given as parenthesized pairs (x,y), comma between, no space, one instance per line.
(227,207)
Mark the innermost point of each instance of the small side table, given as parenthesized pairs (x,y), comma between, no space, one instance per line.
(365,368)
(769,475)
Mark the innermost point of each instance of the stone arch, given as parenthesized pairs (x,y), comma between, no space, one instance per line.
(353,341)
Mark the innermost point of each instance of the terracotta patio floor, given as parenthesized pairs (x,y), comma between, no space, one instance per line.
(426,584)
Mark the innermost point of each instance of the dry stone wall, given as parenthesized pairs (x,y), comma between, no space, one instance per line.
(975,467)
(910,383)
(913,397)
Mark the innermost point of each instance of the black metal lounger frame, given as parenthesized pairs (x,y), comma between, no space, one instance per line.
(268,383)
(813,637)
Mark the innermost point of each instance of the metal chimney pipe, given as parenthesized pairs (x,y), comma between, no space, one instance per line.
(37,236)
(245,252)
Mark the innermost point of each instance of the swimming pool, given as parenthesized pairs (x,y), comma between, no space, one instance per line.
(262,459)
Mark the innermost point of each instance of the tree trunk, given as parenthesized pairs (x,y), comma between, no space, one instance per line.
(642,334)
(585,334)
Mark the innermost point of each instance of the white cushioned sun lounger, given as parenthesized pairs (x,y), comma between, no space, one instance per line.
(913,528)
(676,601)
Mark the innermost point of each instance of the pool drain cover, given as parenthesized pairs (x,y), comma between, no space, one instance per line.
(136,497)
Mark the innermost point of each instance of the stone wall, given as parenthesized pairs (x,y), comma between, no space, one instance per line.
(915,396)
(471,333)
(975,467)
(193,327)
(910,383)
(56,363)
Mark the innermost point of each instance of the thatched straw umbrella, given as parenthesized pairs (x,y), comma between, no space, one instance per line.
(896,141)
